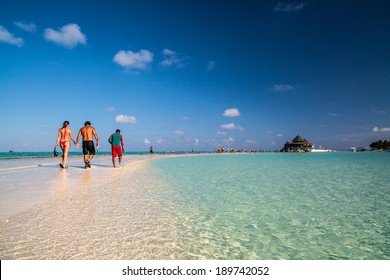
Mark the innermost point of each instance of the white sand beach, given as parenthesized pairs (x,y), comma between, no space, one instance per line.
(76,213)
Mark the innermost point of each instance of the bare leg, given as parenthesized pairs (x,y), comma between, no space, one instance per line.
(86,161)
(120,160)
(113,161)
(65,155)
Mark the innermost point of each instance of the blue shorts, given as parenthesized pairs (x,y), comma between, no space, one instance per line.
(88,148)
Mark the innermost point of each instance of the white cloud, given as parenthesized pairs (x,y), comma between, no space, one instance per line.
(228,141)
(383,129)
(249,141)
(185,118)
(279,135)
(282,88)
(380,112)
(232,112)
(197,141)
(137,60)
(210,65)
(333,114)
(179,132)
(9,38)
(221,132)
(168,52)
(288,7)
(68,36)
(26,26)
(125,119)
(109,109)
(171,58)
(146,141)
(232,126)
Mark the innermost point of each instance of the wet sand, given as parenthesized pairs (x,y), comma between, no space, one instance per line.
(100,213)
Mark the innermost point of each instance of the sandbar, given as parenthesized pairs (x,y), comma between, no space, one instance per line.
(101,213)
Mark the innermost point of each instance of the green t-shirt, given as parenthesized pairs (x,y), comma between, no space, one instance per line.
(116,139)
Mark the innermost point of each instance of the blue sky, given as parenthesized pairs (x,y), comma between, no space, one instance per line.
(184,75)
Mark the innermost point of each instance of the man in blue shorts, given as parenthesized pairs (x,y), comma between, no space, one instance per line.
(88,132)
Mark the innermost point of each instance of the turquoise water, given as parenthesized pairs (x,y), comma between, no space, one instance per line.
(277,206)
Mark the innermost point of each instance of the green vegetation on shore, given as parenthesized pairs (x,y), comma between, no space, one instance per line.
(380,145)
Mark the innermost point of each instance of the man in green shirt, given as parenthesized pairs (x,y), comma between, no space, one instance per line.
(117,146)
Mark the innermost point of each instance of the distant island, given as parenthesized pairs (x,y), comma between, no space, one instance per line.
(380,145)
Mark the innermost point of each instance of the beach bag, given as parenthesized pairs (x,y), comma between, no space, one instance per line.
(55,153)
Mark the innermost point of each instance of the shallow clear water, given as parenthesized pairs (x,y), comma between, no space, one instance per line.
(277,206)
(232,206)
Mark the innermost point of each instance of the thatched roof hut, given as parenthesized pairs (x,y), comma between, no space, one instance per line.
(298,144)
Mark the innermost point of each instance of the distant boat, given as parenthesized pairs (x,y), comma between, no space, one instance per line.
(11,151)
(321,151)
(353,149)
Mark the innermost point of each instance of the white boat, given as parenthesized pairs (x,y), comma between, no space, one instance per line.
(321,150)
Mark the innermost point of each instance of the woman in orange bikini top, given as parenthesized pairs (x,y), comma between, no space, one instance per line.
(64,134)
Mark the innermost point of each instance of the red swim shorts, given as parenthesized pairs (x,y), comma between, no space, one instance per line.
(116,150)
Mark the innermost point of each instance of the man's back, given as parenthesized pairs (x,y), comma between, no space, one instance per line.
(87,133)
(116,139)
